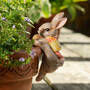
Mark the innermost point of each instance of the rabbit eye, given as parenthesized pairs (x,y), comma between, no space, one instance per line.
(47,29)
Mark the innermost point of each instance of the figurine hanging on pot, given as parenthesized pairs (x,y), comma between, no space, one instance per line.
(47,40)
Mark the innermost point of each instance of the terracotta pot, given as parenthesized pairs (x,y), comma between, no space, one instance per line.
(19,78)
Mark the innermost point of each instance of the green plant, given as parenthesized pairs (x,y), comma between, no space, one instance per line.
(13,34)
(40,8)
(70,5)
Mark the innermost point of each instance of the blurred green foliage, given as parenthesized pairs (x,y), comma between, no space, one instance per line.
(70,5)
(41,8)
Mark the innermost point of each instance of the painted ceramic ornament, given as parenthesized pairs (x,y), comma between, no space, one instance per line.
(53,42)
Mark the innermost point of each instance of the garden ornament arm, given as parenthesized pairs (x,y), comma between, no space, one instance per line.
(50,61)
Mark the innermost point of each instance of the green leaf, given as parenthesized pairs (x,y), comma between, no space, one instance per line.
(34,13)
(46,8)
(72,12)
(80,8)
(80,0)
(22,1)
(67,2)
(28,60)
(30,25)
(63,7)
(28,0)
(4,0)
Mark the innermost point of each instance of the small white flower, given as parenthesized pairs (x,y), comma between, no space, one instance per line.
(13,26)
(27,19)
(22,59)
(33,54)
(3,18)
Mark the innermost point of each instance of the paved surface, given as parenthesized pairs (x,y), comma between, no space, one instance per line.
(75,74)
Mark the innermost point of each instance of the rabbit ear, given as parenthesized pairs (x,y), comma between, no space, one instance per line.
(61,23)
(56,19)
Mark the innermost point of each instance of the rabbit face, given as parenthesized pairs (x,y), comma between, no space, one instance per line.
(50,29)
(44,29)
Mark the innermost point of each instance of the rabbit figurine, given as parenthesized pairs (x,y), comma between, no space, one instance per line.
(50,61)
